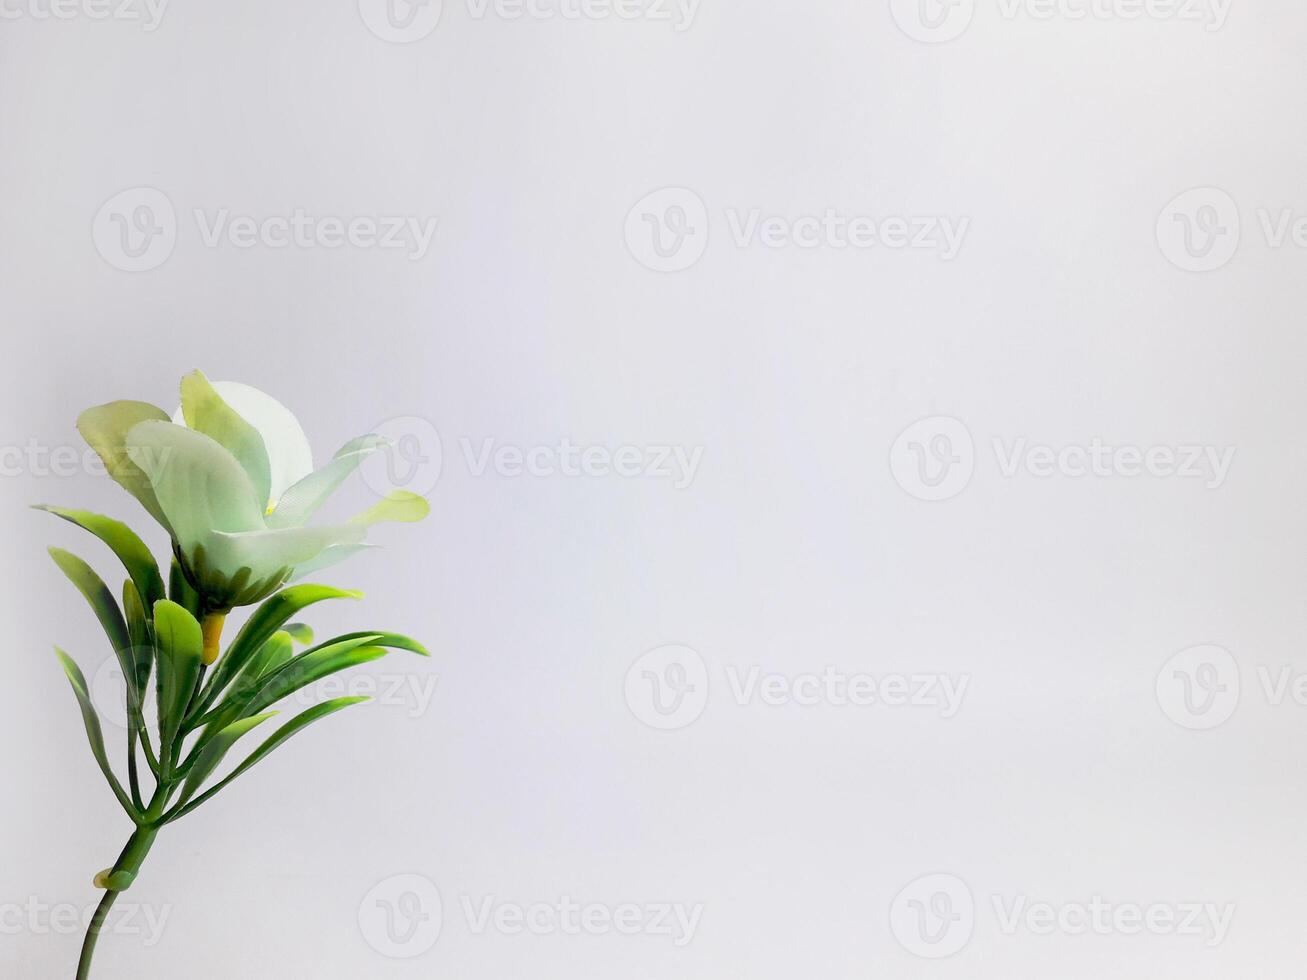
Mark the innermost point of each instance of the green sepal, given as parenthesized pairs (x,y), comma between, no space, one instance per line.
(181,591)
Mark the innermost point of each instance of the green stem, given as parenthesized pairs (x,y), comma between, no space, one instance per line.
(93,933)
(116,880)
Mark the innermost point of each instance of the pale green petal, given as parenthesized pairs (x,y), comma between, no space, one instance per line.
(205,411)
(270,553)
(105,429)
(399,505)
(200,486)
(290,458)
(334,554)
(302,501)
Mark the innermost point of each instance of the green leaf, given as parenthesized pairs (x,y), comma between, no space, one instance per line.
(313,666)
(310,666)
(92,587)
(123,541)
(272,656)
(301,633)
(138,631)
(181,646)
(212,755)
(296,724)
(396,641)
(266,620)
(94,733)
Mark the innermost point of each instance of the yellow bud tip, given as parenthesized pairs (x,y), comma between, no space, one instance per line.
(102,879)
(212,629)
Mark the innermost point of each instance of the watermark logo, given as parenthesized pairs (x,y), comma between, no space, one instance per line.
(401,917)
(667,231)
(679,13)
(1199,230)
(934,916)
(148,13)
(36,917)
(411,460)
(401,21)
(136,229)
(933,21)
(1199,687)
(676,464)
(667,688)
(938,21)
(1208,921)
(933,459)
(838,688)
(676,921)
(411,693)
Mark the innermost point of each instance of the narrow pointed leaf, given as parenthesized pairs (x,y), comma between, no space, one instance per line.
(299,672)
(396,641)
(296,724)
(272,656)
(138,632)
(94,733)
(124,543)
(271,616)
(212,755)
(92,587)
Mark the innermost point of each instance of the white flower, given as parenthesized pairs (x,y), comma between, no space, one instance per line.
(231,478)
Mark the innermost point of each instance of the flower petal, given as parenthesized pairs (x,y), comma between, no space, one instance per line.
(301,501)
(336,553)
(205,411)
(199,485)
(271,553)
(289,456)
(399,505)
(105,429)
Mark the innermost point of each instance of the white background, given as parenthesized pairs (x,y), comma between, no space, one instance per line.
(1068,314)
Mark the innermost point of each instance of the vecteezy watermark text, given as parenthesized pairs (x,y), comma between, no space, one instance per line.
(567,917)
(669,230)
(148,13)
(136,230)
(935,458)
(668,688)
(936,915)
(37,917)
(939,21)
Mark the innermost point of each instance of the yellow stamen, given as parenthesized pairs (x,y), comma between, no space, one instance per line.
(212,627)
